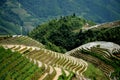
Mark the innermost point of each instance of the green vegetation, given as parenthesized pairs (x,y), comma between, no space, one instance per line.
(21,68)
(110,60)
(14,66)
(65,77)
(64,34)
(13,17)
(9,21)
(59,61)
(94,73)
(104,34)
(58,34)
(97,11)
(15,14)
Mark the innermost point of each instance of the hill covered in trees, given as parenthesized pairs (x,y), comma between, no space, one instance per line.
(59,34)
(67,33)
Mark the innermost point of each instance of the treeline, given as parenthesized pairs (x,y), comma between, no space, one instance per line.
(105,34)
(66,33)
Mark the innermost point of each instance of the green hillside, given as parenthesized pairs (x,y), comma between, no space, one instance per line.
(97,10)
(17,14)
(59,34)
(67,33)
(14,66)
(21,51)
(59,40)
(104,34)
(13,16)
(54,66)
(102,58)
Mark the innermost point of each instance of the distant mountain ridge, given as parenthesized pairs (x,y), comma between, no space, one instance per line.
(15,14)
(98,10)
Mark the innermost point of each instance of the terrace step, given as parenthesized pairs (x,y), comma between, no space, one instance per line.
(48,57)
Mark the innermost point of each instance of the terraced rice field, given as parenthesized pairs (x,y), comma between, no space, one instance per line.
(18,66)
(105,58)
(14,66)
(100,64)
(21,40)
(38,62)
(48,57)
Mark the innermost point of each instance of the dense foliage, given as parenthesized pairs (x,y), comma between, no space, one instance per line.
(104,34)
(60,34)
(66,33)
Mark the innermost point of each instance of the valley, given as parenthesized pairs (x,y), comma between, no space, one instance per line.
(59,40)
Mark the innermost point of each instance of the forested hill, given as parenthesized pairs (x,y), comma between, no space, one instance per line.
(66,33)
(59,34)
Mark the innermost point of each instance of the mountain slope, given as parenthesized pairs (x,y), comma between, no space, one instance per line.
(68,33)
(105,55)
(13,16)
(21,40)
(59,34)
(98,10)
(14,66)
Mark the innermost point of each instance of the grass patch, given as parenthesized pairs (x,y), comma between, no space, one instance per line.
(94,73)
